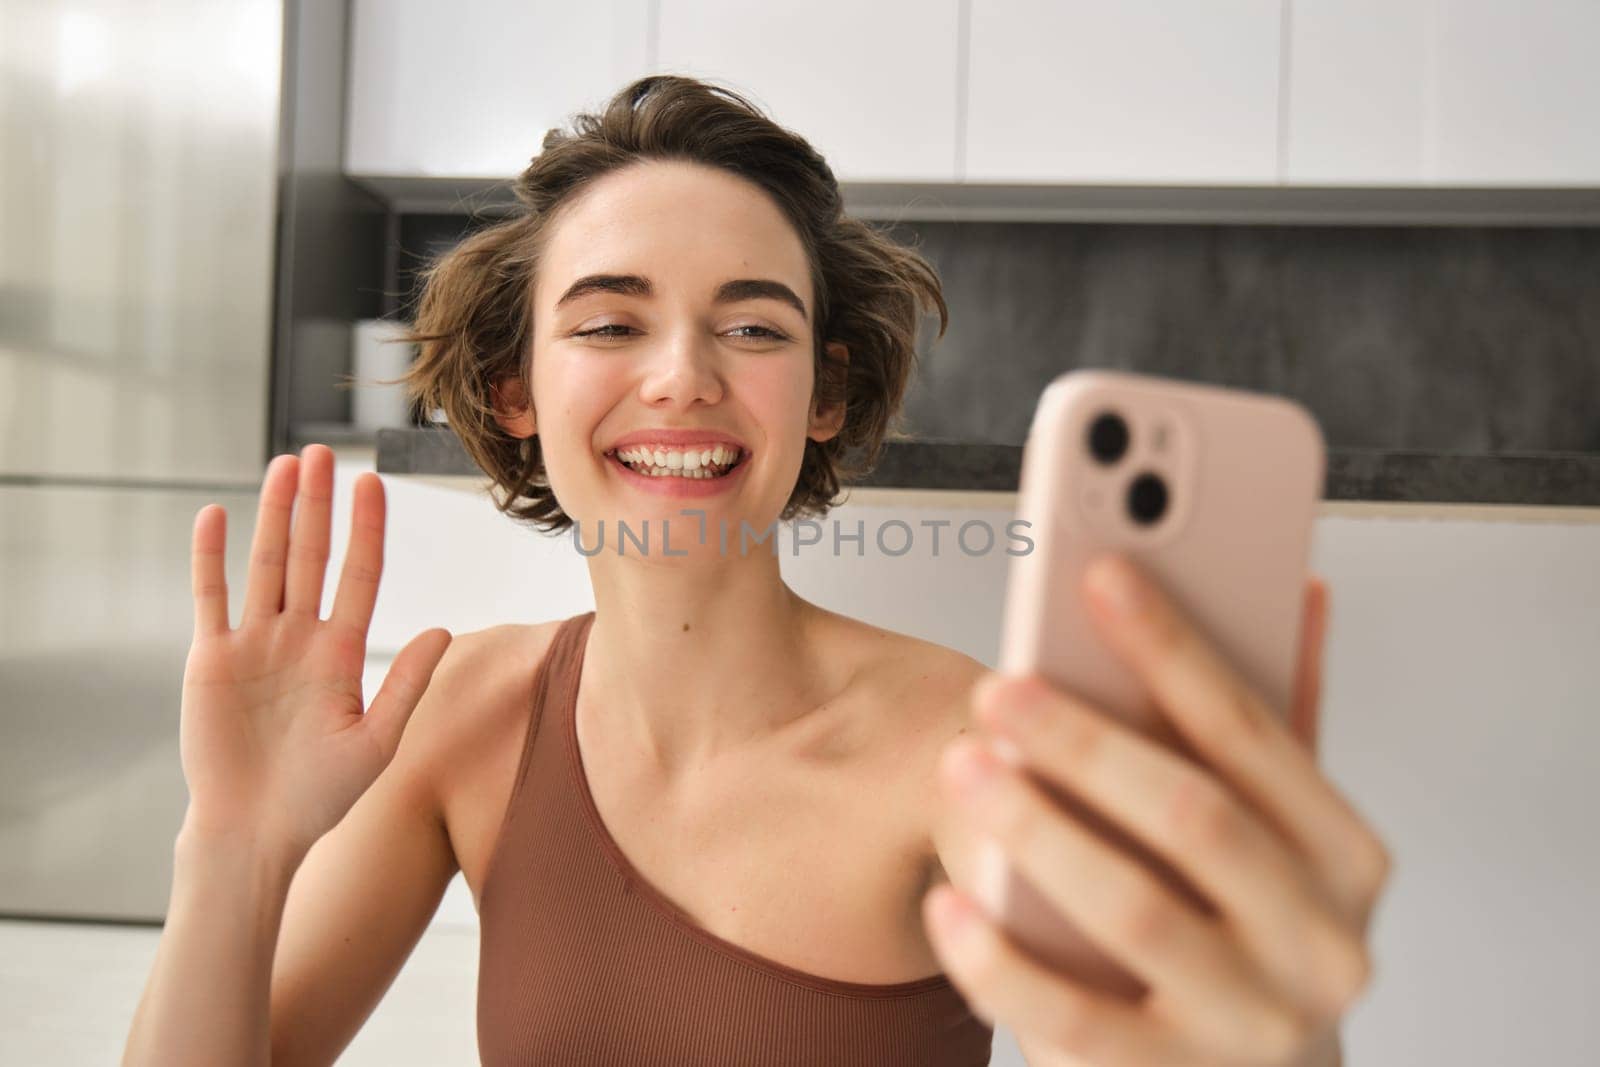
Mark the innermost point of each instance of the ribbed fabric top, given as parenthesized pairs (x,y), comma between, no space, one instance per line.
(583,963)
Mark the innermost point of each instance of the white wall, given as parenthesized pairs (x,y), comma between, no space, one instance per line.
(1459,714)
(1462,717)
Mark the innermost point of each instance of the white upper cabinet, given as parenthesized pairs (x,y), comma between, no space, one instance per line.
(1355,81)
(872,85)
(1032,92)
(1123,91)
(1443,92)
(469,89)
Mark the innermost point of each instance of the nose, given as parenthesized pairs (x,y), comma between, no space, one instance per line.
(682,370)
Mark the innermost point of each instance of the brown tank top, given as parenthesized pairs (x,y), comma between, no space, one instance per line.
(582,963)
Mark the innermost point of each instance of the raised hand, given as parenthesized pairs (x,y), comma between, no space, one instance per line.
(275,743)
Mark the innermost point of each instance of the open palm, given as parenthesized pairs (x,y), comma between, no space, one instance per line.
(274,739)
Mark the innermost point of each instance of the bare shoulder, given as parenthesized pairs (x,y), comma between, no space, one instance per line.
(931,669)
(922,684)
(920,693)
(937,684)
(932,697)
(931,687)
(476,693)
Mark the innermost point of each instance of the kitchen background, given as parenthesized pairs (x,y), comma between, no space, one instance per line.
(1386,210)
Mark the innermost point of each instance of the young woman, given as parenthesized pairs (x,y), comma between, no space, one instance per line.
(710,822)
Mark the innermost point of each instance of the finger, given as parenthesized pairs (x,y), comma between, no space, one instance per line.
(1002,983)
(263,595)
(1191,820)
(308,547)
(357,594)
(403,687)
(208,571)
(1305,718)
(1231,727)
(1198,975)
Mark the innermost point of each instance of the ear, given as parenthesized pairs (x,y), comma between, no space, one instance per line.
(826,422)
(512,410)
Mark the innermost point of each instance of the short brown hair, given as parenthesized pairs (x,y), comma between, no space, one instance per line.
(474,319)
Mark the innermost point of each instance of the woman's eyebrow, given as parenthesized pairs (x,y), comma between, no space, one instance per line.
(727,292)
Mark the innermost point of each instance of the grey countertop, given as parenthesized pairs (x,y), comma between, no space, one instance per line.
(1537,478)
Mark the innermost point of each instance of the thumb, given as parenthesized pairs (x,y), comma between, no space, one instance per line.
(403,687)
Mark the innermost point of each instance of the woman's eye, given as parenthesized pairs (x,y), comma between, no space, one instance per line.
(773,334)
(603,331)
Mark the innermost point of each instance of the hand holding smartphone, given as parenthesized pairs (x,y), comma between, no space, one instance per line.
(1212,492)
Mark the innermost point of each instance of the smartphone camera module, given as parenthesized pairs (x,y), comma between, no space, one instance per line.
(1147,499)
(1108,438)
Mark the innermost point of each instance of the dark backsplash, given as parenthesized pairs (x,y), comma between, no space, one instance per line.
(1462,340)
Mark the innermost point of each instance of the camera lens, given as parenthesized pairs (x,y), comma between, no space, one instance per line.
(1108,437)
(1147,499)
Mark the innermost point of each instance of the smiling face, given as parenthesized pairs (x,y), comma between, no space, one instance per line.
(673,306)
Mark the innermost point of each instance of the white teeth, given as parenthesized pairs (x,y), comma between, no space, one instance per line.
(674,463)
(677,459)
(676,472)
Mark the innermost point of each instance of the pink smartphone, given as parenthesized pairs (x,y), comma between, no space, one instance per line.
(1212,492)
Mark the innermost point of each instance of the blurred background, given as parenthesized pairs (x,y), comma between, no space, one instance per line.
(212,214)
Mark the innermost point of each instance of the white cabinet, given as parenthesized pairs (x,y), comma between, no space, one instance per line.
(1031,92)
(1355,91)
(1132,91)
(873,86)
(1443,92)
(469,89)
